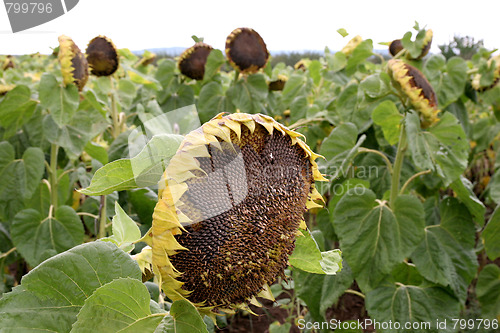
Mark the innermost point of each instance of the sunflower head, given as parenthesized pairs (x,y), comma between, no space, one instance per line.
(476,81)
(302,64)
(230,205)
(7,63)
(351,45)
(192,61)
(426,45)
(395,47)
(102,56)
(74,66)
(415,87)
(246,50)
(278,84)
(147,58)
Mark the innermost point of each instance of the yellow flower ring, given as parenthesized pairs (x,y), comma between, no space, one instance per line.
(476,81)
(192,61)
(74,66)
(230,204)
(246,50)
(419,92)
(102,56)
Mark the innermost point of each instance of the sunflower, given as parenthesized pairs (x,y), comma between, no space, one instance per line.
(418,91)
(102,56)
(192,61)
(74,66)
(246,50)
(476,81)
(351,45)
(230,205)
(395,47)
(279,83)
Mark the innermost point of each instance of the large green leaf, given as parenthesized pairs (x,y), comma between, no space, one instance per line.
(412,305)
(307,256)
(20,178)
(62,102)
(463,188)
(121,305)
(488,284)
(387,116)
(212,101)
(144,169)
(51,294)
(373,237)
(184,318)
(249,93)
(16,109)
(125,230)
(443,148)
(37,237)
(359,55)
(446,255)
(214,61)
(491,235)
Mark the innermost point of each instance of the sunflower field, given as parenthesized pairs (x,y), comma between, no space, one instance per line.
(215,192)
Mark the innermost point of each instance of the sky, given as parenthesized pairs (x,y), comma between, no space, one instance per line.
(284,25)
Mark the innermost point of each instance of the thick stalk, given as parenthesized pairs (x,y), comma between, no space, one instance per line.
(115,117)
(102,219)
(398,163)
(53,175)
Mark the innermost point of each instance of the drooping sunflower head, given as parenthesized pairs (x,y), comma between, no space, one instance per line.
(418,91)
(395,47)
(192,61)
(351,45)
(74,65)
(476,81)
(279,83)
(426,45)
(102,56)
(302,64)
(230,205)
(246,50)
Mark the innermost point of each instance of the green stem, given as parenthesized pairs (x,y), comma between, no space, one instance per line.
(302,122)
(355,292)
(115,117)
(373,151)
(53,175)
(236,76)
(3,255)
(403,189)
(398,163)
(102,220)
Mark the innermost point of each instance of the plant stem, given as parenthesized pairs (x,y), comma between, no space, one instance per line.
(386,159)
(403,189)
(102,220)
(115,117)
(236,76)
(302,122)
(355,292)
(3,255)
(53,175)
(398,163)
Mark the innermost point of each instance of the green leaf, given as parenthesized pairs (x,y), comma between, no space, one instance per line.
(249,93)
(464,190)
(51,294)
(342,32)
(294,87)
(387,116)
(333,287)
(363,51)
(62,102)
(491,235)
(446,255)
(214,61)
(16,109)
(488,284)
(337,146)
(376,85)
(121,305)
(125,230)
(212,101)
(184,318)
(307,256)
(37,238)
(276,327)
(143,79)
(443,148)
(20,178)
(412,304)
(145,169)
(374,237)
(143,201)
(97,151)
(309,289)
(494,187)
(315,71)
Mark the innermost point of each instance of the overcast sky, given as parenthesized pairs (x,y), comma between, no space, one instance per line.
(290,25)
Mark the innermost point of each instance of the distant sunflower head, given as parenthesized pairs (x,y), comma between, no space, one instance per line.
(476,81)
(302,64)
(246,50)
(74,66)
(278,84)
(351,45)
(415,87)
(7,63)
(192,61)
(426,46)
(395,47)
(230,205)
(147,58)
(102,56)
